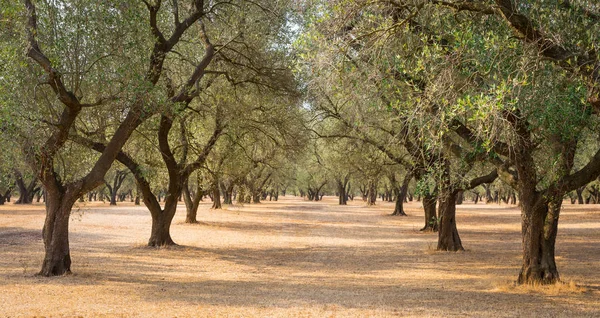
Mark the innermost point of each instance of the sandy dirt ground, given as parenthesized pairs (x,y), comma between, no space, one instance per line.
(294,258)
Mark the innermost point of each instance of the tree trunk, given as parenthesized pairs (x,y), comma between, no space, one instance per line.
(228,194)
(579,192)
(256,197)
(342,200)
(4,196)
(448,238)
(26,192)
(57,258)
(241,197)
(372,193)
(191,203)
(113,197)
(460,197)
(488,194)
(429,202)
(161,229)
(539,229)
(216,196)
(400,193)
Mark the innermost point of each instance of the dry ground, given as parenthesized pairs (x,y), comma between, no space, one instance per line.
(294,259)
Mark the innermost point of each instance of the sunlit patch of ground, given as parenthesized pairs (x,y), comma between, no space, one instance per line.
(295,258)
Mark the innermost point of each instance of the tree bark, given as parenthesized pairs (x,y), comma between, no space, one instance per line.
(579,192)
(4,196)
(26,191)
(57,257)
(539,229)
(429,205)
(191,203)
(161,228)
(400,193)
(372,193)
(228,193)
(343,199)
(216,196)
(448,238)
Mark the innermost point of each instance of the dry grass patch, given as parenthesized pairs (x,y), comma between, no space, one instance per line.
(559,288)
(294,258)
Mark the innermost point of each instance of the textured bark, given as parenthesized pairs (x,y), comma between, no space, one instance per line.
(429,205)
(161,229)
(57,256)
(539,229)
(448,238)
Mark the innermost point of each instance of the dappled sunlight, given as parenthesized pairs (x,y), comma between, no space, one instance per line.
(293,258)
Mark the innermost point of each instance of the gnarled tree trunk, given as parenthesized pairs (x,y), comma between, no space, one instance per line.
(539,229)
(57,256)
(448,238)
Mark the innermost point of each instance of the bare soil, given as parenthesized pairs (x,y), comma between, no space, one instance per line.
(294,258)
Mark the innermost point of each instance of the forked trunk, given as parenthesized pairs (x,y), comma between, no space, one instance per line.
(429,202)
(191,204)
(539,229)
(161,227)
(400,194)
(448,238)
(228,194)
(399,206)
(57,258)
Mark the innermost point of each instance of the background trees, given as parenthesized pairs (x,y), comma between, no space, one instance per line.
(341,97)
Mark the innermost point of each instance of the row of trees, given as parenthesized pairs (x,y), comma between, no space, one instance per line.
(488,98)
(461,93)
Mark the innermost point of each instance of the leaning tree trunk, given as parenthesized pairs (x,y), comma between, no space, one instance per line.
(539,229)
(429,202)
(448,238)
(57,258)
